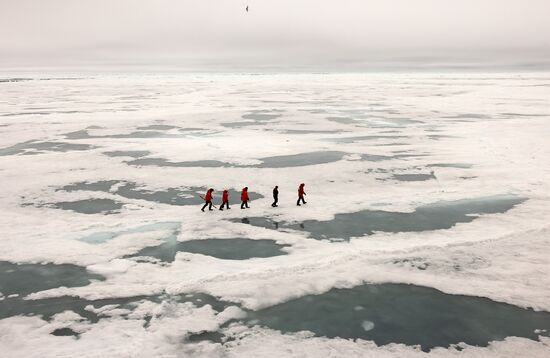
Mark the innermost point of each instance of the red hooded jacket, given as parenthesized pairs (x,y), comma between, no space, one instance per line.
(208,196)
(301,191)
(225,196)
(244,195)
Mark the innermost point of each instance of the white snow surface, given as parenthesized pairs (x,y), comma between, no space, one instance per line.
(497,123)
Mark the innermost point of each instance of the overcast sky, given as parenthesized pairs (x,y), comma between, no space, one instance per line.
(275,34)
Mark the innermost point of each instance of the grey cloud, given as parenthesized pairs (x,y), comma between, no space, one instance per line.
(317,34)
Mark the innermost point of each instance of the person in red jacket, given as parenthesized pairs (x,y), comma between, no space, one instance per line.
(208,199)
(301,193)
(244,198)
(225,199)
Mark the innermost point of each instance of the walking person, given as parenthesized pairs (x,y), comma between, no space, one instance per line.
(301,193)
(275,196)
(225,199)
(244,198)
(208,199)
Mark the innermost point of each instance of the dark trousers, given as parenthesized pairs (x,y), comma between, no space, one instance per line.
(244,204)
(300,198)
(226,204)
(206,204)
(275,201)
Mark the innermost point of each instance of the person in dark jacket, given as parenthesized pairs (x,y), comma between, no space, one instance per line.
(225,199)
(275,196)
(244,198)
(208,199)
(301,193)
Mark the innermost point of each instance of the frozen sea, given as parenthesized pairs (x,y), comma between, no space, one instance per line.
(426,231)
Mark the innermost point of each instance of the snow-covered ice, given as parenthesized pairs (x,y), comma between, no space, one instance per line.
(434,180)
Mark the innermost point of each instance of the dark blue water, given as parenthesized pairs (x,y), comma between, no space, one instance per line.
(436,216)
(397,313)
(226,249)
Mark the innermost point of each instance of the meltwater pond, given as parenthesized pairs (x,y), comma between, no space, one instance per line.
(19,280)
(279,161)
(413,177)
(398,313)
(131,190)
(23,279)
(302,159)
(90,206)
(48,307)
(127,153)
(435,216)
(146,132)
(254,118)
(226,249)
(36,147)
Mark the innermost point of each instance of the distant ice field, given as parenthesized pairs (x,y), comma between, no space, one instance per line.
(425,232)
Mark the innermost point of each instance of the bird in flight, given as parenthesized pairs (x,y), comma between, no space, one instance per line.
(246,8)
